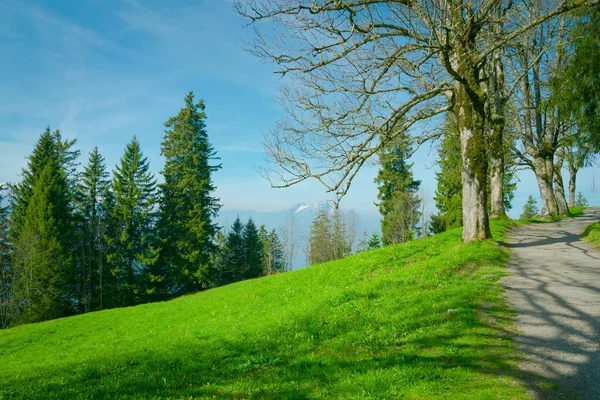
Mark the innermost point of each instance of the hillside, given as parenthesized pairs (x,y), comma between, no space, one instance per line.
(420,320)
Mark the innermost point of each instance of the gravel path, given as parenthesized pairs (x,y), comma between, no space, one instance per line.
(555,289)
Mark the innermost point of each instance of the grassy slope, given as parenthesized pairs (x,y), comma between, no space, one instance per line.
(375,325)
(592,234)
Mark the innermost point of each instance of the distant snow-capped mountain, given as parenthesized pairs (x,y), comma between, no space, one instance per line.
(297,219)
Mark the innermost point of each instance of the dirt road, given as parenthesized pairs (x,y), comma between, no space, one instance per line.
(555,290)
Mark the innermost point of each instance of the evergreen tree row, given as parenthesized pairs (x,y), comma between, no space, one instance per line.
(248,252)
(73,242)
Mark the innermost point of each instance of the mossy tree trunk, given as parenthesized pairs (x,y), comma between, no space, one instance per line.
(469,109)
(559,187)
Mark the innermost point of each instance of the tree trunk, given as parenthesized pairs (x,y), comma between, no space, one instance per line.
(544,171)
(470,119)
(497,171)
(572,185)
(559,186)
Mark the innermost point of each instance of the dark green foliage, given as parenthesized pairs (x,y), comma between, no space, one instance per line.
(530,209)
(132,251)
(42,258)
(437,224)
(320,239)
(252,265)
(92,229)
(41,232)
(187,208)
(398,193)
(231,270)
(448,195)
(273,255)
(374,241)
(576,87)
(581,201)
(367,242)
(331,237)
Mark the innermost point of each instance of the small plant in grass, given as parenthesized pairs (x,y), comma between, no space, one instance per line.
(530,209)
(581,201)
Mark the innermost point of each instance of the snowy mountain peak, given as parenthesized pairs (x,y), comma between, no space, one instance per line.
(300,207)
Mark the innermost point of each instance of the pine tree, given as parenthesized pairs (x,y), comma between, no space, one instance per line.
(42,258)
(448,195)
(134,190)
(188,207)
(232,268)
(398,193)
(581,201)
(253,251)
(41,231)
(374,242)
(92,229)
(341,240)
(273,255)
(530,209)
(320,245)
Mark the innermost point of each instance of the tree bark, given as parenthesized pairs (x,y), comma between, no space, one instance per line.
(559,186)
(470,118)
(572,185)
(497,170)
(544,173)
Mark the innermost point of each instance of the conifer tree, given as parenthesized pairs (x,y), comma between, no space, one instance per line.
(188,207)
(374,241)
(134,189)
(342,237)
(41,231)
(253,251)
(42,258)
(398,193)
(319,245)
(93,224)
(232,268)
(272,254)
(581,201)
(530,209)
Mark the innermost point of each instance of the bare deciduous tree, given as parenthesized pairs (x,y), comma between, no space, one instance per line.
(363,71)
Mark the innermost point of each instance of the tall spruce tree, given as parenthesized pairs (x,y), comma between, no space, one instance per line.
(93,225)
(44,281)
(273,254)
(233,260)
(41,231)
(188,207)
(398,193)
(134,189)
(319,243)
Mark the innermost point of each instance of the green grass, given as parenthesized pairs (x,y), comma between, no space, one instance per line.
(424,320)
(592,234)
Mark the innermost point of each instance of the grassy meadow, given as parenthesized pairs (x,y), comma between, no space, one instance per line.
(422,320)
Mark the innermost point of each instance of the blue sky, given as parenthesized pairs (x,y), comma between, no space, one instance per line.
(102,71)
